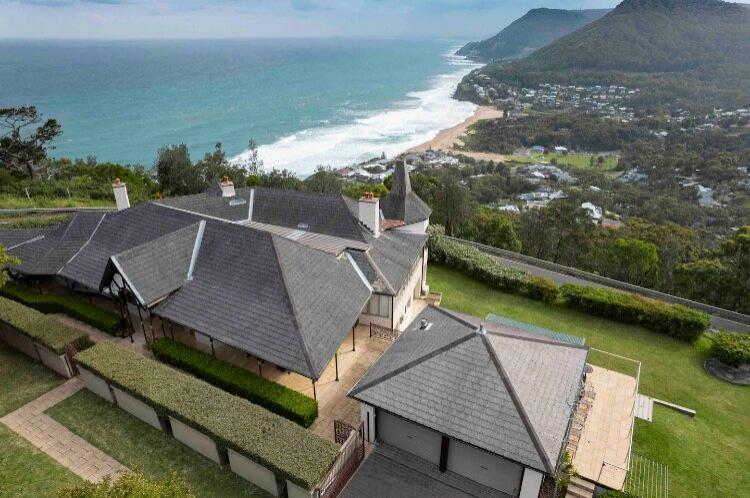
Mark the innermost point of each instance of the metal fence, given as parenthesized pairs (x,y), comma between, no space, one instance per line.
(647,478)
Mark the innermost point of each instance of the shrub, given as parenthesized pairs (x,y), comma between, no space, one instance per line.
(475,263)
(285,448)
(670,319)
(40,328)
(70,305)
(731,348)
(613,493)
(130,485)
(279,399)
(540,288)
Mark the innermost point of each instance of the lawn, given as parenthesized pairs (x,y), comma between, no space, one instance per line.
(706,455)
(24,470)
(573,159)
(139,446)
(9,201)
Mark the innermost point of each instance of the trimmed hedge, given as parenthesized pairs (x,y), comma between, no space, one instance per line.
(279,399)
(290,451)
(41,328)
(731,348)
(70,305)
(613,493)
(670,319)
(484,267)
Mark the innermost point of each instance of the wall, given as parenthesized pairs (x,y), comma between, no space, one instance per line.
(406,294)
(420,227)
(408,436)
(484,468)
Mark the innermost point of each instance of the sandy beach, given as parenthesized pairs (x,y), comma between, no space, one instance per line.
(447,138)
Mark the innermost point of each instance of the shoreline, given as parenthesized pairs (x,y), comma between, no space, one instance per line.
(447,138)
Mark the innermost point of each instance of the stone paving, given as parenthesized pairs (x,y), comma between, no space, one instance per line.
(57,441)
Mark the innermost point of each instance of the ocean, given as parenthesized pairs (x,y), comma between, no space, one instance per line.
(305,102)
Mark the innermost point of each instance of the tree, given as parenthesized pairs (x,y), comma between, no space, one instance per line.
(495,229)
(22,151)
(453,205)
(275,179)
(215,166)
(176,173)
(131,485)
(635,261)
(5,261)
(323,181)
(253,164)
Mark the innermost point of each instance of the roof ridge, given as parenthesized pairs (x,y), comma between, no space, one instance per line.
(93,232)
(303,344)
(413,363)
(455,316)
(379,271)
(519,406)
(542,340)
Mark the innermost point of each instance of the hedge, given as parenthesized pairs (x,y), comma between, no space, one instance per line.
(488,269)
(670,319)
(280,445)
(613,493)
(131,484)
(70,305)
(279,399)
(41,328)
(731,348)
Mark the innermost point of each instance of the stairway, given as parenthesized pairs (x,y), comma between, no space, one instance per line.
(578,488)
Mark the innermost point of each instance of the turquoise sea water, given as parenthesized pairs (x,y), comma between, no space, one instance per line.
(307,102)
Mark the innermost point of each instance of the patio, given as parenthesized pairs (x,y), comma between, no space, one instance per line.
(602,433)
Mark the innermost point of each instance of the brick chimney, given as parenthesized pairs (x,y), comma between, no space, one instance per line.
(227,187)
(369,213)
(121,195)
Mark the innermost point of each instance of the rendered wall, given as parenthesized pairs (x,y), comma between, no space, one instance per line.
(95,384)
(532,483)
(251,471)
(18,340)
(137,408)
(195,440)
(295,491)
(55,361)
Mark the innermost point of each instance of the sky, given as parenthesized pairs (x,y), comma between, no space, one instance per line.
(128,19)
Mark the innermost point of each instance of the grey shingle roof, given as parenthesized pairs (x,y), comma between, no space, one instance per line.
(47,255)
(394,254)
(207,203)
(278,300)
(158,267)
(510,393)
(321,213)
(402,203)
(504,321)
(11,237)
(390,472)
(119,232)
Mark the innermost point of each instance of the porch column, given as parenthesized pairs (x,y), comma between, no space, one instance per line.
(336,360)
(354,343)
(315,394)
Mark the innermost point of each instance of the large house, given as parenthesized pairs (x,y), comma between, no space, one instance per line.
(280,275)
(461,407)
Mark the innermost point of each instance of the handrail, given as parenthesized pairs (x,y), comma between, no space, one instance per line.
(609,282)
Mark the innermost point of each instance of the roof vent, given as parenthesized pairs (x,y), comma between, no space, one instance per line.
(424,324)
(481,330)
(303,226)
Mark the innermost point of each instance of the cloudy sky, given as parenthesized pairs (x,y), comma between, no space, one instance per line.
(265,18)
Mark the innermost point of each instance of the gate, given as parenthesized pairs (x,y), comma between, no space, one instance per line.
(351,454)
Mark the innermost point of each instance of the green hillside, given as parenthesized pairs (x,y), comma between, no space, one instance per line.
(696,50)
(537,28)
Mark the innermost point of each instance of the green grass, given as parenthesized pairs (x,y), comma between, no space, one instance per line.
(573,160)
(24,470)
(8,201)
(139,446)
(41,220)
(707,455)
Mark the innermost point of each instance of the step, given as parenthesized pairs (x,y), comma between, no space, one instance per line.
(574,492)
(582,483)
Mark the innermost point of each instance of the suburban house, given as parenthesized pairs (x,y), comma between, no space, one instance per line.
(282,276)
(485,408)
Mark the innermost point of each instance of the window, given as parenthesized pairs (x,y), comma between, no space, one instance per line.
(378,305)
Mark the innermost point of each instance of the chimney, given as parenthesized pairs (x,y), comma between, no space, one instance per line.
(481,330)
(121,195)
(369,213)
(227,187)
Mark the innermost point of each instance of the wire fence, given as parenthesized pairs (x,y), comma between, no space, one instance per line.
(647,478)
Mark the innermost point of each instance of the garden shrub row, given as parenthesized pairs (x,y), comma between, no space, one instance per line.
(731,348)
(70,305)
(280,445)
(41,328)
(279,399)
(484,267)
(670,319)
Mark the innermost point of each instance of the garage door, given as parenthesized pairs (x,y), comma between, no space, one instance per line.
(484,468)
(408,436)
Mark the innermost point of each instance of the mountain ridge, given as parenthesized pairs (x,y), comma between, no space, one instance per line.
(535,29)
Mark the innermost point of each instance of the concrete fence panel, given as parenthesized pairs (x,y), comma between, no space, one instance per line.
(295,491)
(195,440)
(253,472)
(96,384)
(57,362)
(137,408)
(18,341)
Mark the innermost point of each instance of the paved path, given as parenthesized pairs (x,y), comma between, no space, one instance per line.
(56,440)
